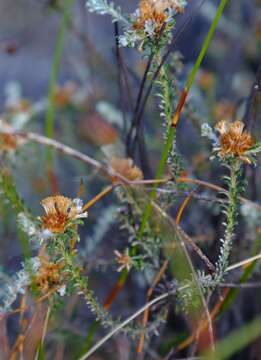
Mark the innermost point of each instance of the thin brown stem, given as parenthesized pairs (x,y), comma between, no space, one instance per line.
(213,187)
(96,198)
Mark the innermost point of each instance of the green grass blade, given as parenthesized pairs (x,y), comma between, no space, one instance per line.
(236,341)
(49,119)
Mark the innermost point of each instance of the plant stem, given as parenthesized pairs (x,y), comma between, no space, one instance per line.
(231,217)
(165,57)
(172,130)
(246,274)
(49,119)
(134,124)
(159,173)
(123,324)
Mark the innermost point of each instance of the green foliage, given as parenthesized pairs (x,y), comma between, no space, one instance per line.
(230,211)
(236,341)
(8,191)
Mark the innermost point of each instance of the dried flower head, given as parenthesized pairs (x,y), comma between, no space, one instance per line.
(59,211)
(224,109)
(126,168)
(153,20)
(149,11)
(162,5)
(234,141)
(63,94)
(95,129)
(49,275)
(206,80)
(124,260)
(8,141)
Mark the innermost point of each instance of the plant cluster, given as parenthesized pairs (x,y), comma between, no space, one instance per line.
(145,213)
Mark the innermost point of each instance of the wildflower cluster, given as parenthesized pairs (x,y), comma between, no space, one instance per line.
(151,23)
(153,243)
(53,232)
(55,271)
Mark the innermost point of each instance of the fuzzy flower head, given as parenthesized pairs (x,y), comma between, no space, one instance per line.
(152,21)
(234,140)
(156,13)
(49,275)
(63,95)
(150,12)
(126,168)
(60,211)
(8,141)
(124,260)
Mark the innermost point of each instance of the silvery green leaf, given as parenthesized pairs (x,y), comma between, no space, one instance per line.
(104,7)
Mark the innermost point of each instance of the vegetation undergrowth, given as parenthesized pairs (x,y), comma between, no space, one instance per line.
(155,252)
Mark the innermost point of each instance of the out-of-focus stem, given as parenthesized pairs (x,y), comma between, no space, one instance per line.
(49,119)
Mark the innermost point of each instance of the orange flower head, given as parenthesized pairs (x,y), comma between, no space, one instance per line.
(233,139)
(48,275)
(149,11)
(59,210)
(126,168)
(63,95)
(8,141)
(156,11)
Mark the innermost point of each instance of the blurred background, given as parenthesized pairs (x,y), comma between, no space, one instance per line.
(29,29)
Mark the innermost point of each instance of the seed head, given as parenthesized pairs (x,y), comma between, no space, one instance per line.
(49,275)
(126,168)
(234,141)
(124,260)
(59,210)
(150,11)
(8,141)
